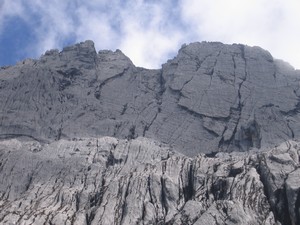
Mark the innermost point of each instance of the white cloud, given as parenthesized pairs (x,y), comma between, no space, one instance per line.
(271,25)
(148,35)
(149,48)
(54,23)
(150,31)
(9,9)
(95,25)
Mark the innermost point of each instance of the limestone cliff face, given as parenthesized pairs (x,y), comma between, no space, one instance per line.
(211,97)
(111,181)
(89,138)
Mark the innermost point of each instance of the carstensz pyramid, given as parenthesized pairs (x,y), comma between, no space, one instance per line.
(210,138)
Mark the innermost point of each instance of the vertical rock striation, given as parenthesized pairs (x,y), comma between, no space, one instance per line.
(113,181)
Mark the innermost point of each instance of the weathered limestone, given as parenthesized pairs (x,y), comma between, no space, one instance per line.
(210,97)
(112,181)
(88,138)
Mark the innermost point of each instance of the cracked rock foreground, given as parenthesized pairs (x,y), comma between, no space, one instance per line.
(113,181)
(210,138)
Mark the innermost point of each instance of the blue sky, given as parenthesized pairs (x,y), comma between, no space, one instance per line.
(148,31)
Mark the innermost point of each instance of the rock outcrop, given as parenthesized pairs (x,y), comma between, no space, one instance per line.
(211,97)
(210,138)
(140,181)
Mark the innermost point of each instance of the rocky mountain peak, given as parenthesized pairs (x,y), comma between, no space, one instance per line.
(210,97)
(88,138)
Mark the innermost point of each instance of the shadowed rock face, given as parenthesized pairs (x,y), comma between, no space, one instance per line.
(88,138)
(210,97)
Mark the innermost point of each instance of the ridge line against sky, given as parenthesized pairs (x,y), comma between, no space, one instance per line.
(149,32)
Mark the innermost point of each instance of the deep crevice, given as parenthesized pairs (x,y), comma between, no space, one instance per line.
(277,199)
(89,217)
(111,160)
(124,205)
(297,208)
(97,93)
(162,87)
(294,111)
(239,108)
(188,190)
(163,197)
(289,127)
(146,128)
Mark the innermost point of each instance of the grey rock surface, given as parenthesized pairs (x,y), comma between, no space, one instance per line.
(211,97)
(141,181)
(210,138)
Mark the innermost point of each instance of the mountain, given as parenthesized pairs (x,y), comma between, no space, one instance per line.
(210,138)
(211,97)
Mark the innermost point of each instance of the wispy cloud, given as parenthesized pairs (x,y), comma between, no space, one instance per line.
(9,9)
(151,31)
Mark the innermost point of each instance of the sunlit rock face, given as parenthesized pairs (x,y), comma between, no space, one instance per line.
(140,181)
(89,138)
